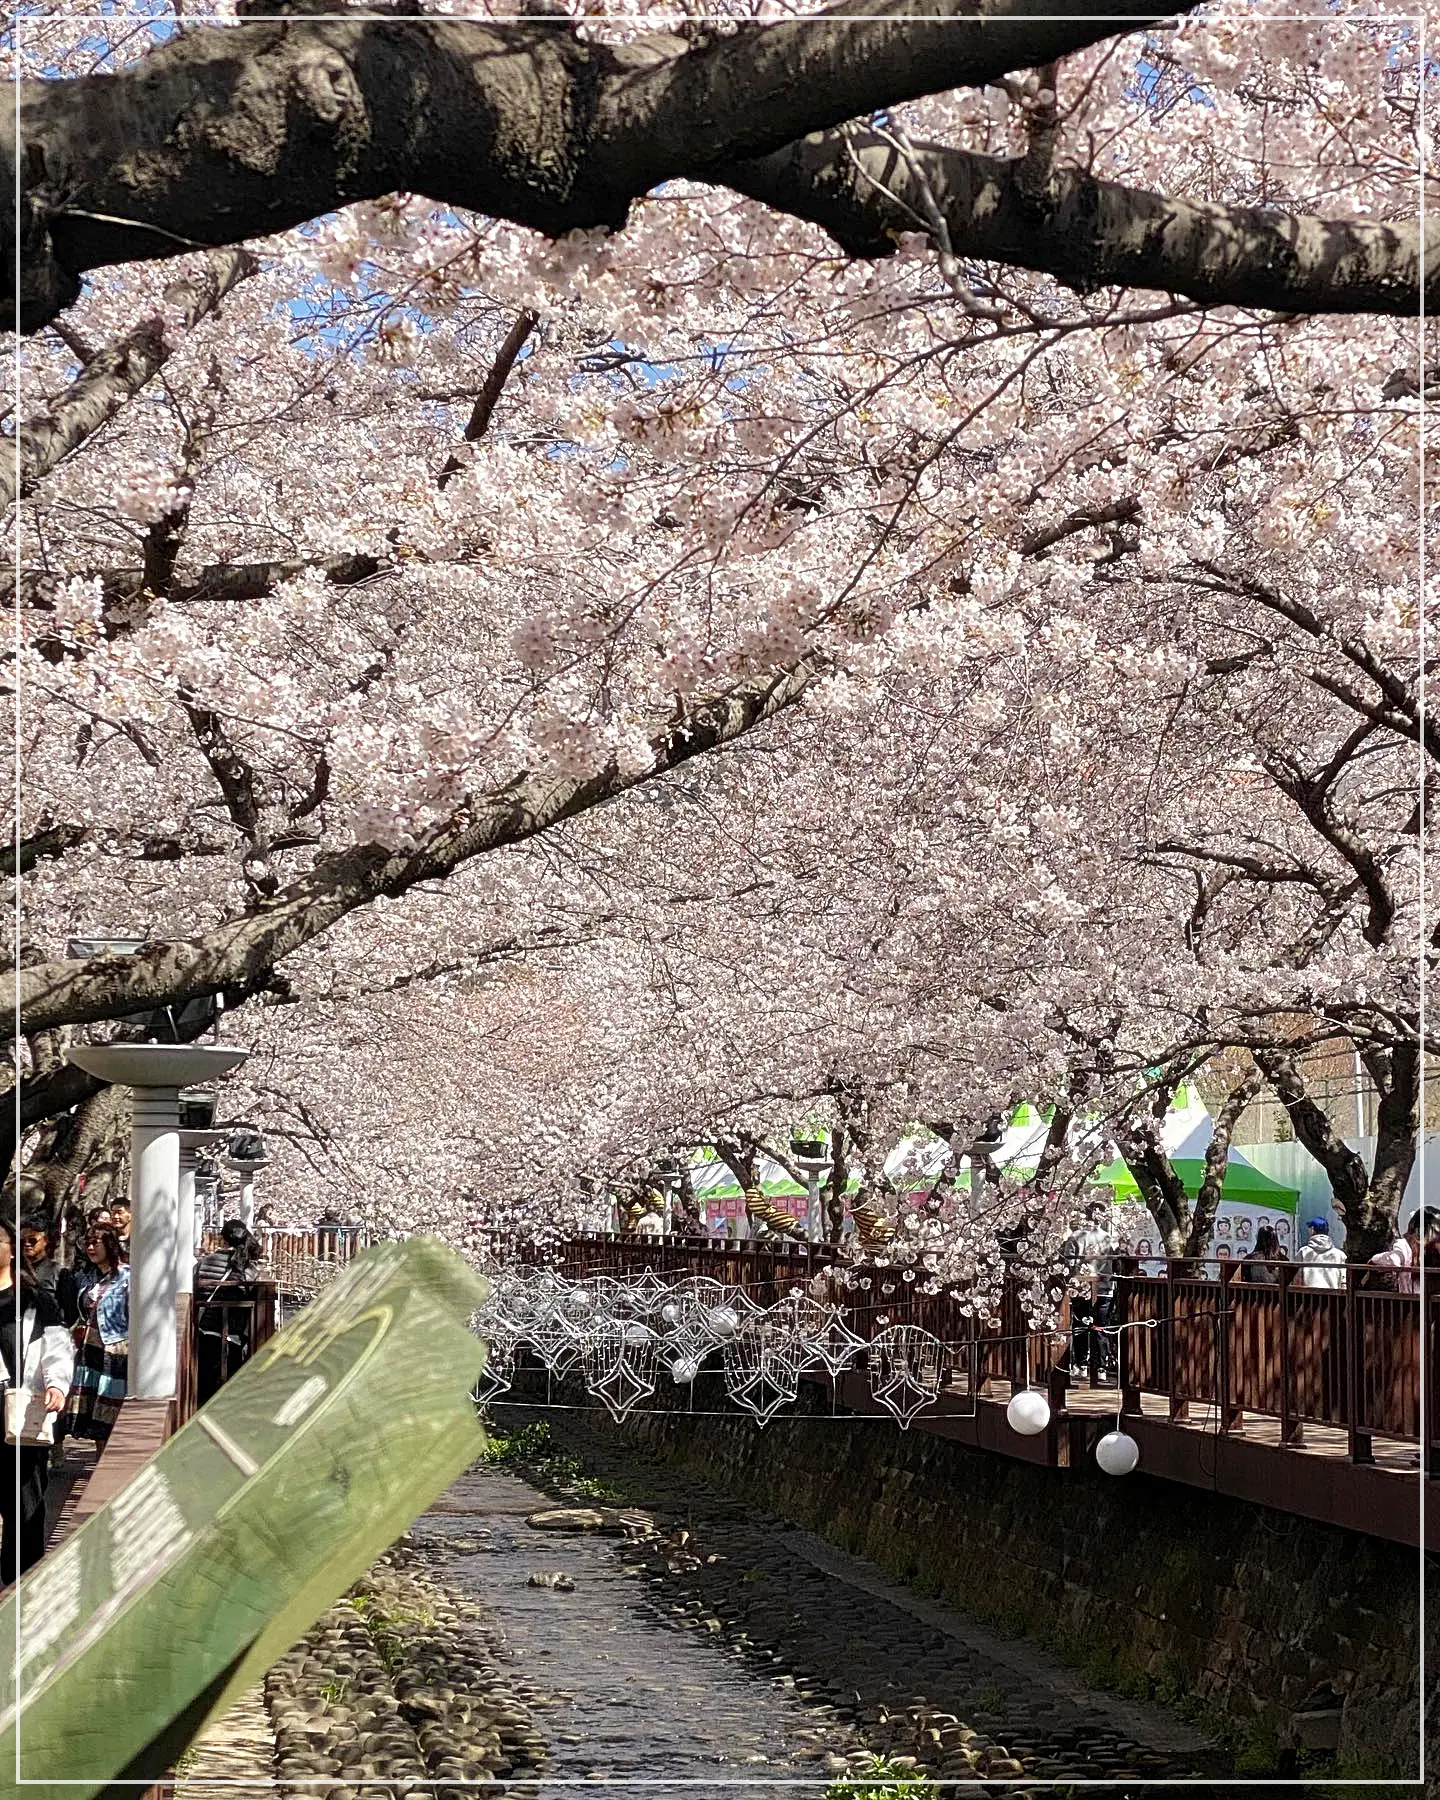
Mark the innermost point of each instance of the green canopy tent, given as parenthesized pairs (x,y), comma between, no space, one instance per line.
(1245,1185)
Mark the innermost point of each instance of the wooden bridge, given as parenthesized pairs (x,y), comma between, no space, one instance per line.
(1299,1398)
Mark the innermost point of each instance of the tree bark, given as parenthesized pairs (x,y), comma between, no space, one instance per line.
(96,1131)
(1367,1229)
(125,603)
(1144,1155)
(1397,1128)
(489,396)
(1092,234)
(1217,1161)
(839,1181)
(226,134)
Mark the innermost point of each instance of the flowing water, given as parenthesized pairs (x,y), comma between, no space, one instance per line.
(635,1700)
(755,1653)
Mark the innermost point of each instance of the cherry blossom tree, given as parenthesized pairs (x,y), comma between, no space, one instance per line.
(659,632)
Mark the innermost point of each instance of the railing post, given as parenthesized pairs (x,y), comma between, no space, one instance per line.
(1291,1429)
(1060,1369)
(1430,1353)
(1231,1417)
(1362,1449)
(1125,1340)
(1179,1405)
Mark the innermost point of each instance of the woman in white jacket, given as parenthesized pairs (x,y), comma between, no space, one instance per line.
(35,1353)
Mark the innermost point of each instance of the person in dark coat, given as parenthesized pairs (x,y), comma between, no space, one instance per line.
(222,1277)
(45,1272)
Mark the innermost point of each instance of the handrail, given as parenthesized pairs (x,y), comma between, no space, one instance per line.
(1346,1357)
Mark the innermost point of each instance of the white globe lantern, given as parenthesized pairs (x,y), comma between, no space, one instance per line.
(1117,1453)
(1028,1412)
(723,1321)
(685,1370)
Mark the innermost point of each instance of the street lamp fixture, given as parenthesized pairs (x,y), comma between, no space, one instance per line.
(155,1074)
(812,1159)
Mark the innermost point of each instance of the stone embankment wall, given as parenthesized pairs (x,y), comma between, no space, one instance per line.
(1240,1615)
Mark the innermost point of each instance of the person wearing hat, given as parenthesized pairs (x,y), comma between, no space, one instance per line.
(35,1354)
(1322,1264)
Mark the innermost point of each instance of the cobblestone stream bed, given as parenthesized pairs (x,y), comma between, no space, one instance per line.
(674,1644)
(628,1697)
(746,1608)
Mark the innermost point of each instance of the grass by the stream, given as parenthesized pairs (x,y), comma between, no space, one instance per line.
(532,1448)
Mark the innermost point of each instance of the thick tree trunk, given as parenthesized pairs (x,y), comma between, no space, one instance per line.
(1367,1206)
(839,1181)
(1164,1194)
(1397,1128)
(95,1135)
(1143,1152)
(1217,1161)
(1343,1167)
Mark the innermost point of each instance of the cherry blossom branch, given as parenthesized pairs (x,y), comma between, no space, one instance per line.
(54,841)
(1090,233)
(489,396)
(115,375)
(1400,714)
(242,952)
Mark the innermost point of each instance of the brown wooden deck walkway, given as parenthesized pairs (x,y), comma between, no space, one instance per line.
(1315,1479)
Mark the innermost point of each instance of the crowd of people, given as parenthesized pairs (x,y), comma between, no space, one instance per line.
(64,1344)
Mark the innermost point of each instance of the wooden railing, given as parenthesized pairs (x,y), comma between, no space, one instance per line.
(220,1331)
(296,1258)
(1349,1359)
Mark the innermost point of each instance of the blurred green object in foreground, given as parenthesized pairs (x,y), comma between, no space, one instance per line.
(245,1527)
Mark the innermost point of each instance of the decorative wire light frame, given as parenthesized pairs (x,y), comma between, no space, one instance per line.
(762,1367)
(623,1332)
(905,1366)
(619,1365)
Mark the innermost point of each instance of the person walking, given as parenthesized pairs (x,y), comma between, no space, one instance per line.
(38,1359)
(102,1366)
(1322,1262)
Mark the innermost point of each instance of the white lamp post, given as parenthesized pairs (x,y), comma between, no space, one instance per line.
(154,1073)
(187,1235)
(811,1159)
(247,1154)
